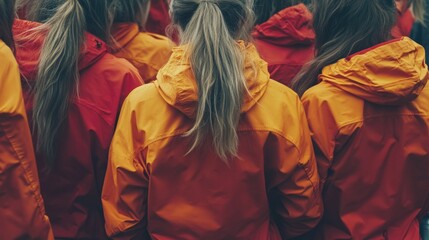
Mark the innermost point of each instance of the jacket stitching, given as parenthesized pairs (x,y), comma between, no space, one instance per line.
(36,196)
(177,133)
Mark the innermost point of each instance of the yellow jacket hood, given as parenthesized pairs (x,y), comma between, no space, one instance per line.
(177,85)
(148,52)
(391,73)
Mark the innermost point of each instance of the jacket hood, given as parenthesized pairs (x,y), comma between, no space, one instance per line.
(177,85)
(391,73)
(291,26)
(29,45)
(124,33)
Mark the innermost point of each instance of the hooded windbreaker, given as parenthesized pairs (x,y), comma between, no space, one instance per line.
(22,213)
(72,190)
(286,42)
(148,52)
(154,190)
(369,117)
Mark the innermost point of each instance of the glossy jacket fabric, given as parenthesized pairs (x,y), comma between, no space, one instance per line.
(155,190)
(286,42)
(369,117)
(148,52)
(72,191)
(22,211)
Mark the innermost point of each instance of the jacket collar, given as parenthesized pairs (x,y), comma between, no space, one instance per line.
(30,43)
(124,33)
(177,85)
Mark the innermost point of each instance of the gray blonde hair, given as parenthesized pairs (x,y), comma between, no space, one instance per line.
(211,29)
(136,11)
(57,78)
(418,8)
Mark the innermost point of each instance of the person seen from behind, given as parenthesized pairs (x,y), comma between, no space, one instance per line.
(213,149)
(367,103)
(73,92)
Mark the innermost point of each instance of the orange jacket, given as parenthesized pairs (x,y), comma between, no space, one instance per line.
(153,190)
(148,52)
(286,42)
(369,117)
(22,213)
(72,190)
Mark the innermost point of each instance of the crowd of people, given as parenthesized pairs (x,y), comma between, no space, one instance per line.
(214,119)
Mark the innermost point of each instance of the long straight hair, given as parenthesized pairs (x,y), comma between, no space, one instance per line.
(135,11)
(7,15)
(211,29)
(264,9)
(58,71)
(344,27)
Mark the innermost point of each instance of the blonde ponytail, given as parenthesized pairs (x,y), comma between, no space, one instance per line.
(58,75)
(218,66)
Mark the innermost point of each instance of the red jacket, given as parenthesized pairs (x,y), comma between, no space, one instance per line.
(286,42)
(159,17)
(369,118)
(72,190)
(404,20)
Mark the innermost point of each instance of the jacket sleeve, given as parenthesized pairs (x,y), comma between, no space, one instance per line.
(22,213)
(125,186)
(324,130)
(293,181)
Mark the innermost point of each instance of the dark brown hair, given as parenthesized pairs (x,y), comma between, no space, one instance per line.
(134,11)
(7,15)
(344,27)
(264,9)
